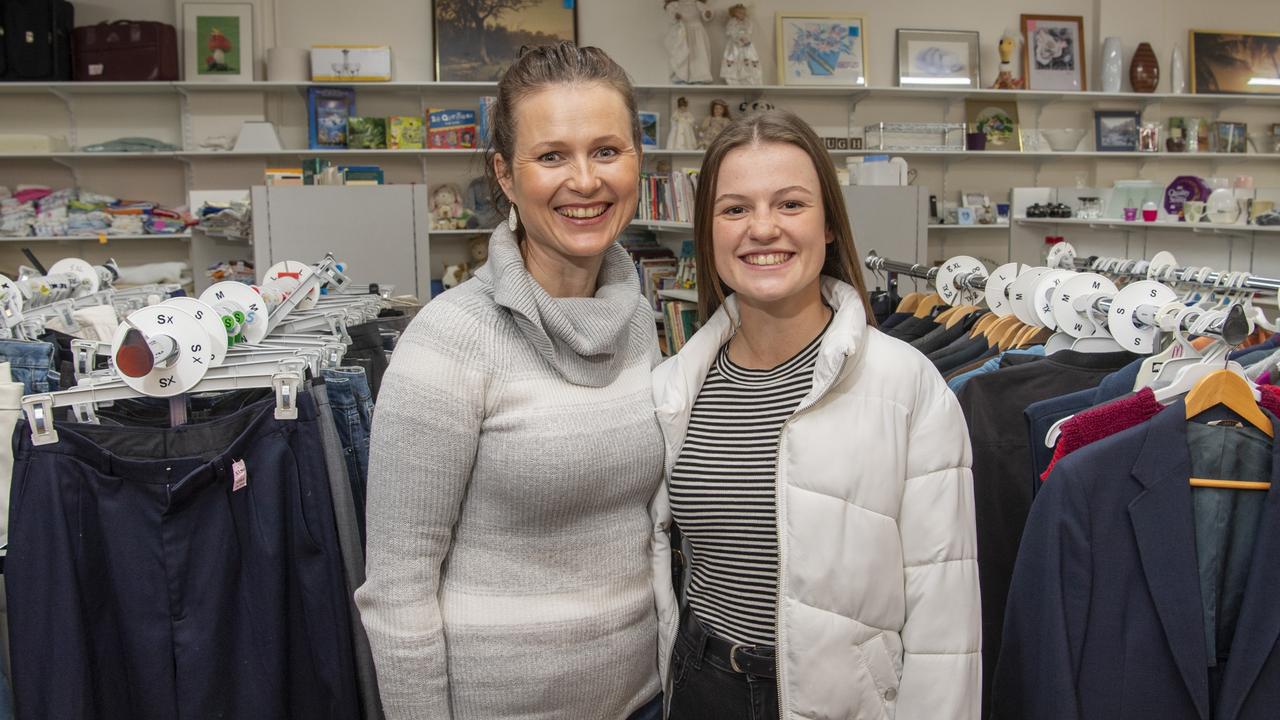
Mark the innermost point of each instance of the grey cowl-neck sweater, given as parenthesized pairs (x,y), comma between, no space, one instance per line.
(514,455)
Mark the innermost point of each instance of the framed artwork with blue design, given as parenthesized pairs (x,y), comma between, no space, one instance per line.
(821,50)
(938,58)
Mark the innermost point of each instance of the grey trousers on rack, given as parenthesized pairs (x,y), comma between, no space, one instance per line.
(344,511)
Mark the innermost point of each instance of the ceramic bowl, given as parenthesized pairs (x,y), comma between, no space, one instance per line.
(1064,139)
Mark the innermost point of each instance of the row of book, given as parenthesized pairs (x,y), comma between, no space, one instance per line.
(332,123)
(679,323)
(668,196)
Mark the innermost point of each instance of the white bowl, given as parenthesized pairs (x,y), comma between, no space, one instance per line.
(1064,139)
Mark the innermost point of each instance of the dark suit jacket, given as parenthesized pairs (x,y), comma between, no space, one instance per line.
(1104,618)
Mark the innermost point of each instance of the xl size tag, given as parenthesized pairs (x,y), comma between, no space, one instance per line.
(239,477)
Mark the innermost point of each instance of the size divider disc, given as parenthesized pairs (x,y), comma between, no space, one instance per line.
(998,288)
(960,266)
(229,293)
(188,366)
(1162,261)
(298,271)
(1022,295)
(209,320)
(84,273)
(1070,295)
(1044,292)
(1062,256)
(1120,318)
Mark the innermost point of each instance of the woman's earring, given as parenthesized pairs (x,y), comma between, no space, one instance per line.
(513,221)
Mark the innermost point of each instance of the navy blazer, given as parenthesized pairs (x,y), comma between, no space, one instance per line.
(1104,616)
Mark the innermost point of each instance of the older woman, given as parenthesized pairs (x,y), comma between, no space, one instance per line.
(515,450)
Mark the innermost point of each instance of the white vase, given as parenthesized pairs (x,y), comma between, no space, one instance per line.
(1177,72)
(1112,65)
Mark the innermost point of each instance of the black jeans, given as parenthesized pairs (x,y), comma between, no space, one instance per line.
(705,688)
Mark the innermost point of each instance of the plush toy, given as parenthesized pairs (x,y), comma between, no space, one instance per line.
(483,214)
(447,212)
(1009,45)
(455,275)
(745,106)
(479,251)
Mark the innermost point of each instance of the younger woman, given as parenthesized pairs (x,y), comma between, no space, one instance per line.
(818,469)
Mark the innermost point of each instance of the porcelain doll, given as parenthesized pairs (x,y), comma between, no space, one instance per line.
(741,64)
(688,47)
(713,124)
(682,135)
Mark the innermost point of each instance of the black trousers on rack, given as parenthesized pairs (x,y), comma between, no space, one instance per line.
(188,572)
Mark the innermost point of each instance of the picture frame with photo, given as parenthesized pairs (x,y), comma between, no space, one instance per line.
(1234,62)
(649,129)
(217,42)
(974,199)
(966,216)
(1230,137)
(938,58)
(821,50)
(997,119)
(471,51)
(1053,52)
(1116,130)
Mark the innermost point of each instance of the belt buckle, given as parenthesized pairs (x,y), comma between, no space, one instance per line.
(733,658)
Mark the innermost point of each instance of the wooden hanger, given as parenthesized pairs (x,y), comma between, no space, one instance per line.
(910,302)
(962,312)
(947,314)
(996,330)
(927,305)
(1006,340)
(1232,391)
(983,323)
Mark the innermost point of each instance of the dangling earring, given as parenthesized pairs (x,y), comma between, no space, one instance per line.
(513,221)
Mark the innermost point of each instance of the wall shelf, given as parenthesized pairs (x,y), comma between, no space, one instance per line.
(1141,226)
(92,238)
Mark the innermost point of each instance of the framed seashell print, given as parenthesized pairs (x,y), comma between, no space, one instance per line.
(938,58)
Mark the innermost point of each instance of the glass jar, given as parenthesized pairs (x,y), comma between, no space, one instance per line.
(1090,208)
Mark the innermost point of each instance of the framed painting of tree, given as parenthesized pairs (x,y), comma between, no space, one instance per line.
(476,40)
(1234,62)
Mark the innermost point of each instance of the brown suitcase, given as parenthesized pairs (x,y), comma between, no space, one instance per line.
(125,51)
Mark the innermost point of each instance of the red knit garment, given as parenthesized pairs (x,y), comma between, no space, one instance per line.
(1107,419)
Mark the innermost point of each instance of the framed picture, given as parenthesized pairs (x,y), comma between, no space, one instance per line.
(1234,62)
(1230,136)
(997,119)
(471,46)
(1116,130)
(934,58)
(974,199)
(821,50)
(1053,52)
(965,216)
(649,129)
(217,42)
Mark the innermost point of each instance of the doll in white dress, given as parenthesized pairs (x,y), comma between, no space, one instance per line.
(741,64)
(713,124)
(682,135)
(688,47)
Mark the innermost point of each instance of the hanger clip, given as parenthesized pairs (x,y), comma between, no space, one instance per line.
(286,385)
(39,411)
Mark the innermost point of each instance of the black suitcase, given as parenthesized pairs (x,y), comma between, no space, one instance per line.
(35,39)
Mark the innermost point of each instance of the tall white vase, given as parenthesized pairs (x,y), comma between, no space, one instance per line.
(1177,72)
(1112,65)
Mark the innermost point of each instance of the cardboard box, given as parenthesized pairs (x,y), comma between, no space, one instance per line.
(350,63)
(451,129)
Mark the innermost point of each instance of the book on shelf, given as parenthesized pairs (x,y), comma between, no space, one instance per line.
(328,109)
(405,132)
(451,129)
(482,117)
(668,197)
(284,176)
(366,133)
(679,323)
(361,174)
(657,273)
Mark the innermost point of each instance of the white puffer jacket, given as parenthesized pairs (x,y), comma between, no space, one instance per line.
(878,606)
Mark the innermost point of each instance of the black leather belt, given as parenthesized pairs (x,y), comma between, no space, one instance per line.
(757,660)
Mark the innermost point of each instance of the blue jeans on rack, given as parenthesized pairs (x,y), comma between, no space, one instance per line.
(352,404)
(30,364)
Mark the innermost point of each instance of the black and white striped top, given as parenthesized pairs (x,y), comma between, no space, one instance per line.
(723,492)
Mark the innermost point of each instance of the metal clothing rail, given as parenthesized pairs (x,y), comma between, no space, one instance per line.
(1190,275)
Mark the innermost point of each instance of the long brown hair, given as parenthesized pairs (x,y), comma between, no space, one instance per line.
(779,126)
(536,69)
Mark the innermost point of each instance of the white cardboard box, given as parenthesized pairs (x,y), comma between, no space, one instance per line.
(350,63)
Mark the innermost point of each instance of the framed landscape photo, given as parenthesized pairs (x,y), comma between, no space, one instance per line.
(821,50)
(477,40)
(1234,62)
(1116,130)
(1053,52)
(938,58)
(217,42)
(648,129)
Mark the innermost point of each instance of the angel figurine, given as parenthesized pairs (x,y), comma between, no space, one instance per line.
(688,47)
(682,135)
(713,124)
(741,64)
